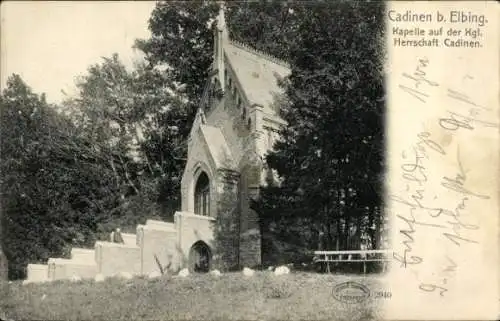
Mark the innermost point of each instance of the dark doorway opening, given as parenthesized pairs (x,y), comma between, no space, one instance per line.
(200,258)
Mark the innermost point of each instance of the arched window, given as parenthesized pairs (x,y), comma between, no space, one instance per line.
(202,195)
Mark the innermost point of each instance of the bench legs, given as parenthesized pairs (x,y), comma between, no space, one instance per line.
(328,268)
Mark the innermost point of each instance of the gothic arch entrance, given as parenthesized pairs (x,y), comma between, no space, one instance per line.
(200,257)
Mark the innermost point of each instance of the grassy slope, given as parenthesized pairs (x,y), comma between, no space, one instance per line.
(231,296)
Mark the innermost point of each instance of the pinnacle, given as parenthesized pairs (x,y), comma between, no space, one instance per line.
(221,20)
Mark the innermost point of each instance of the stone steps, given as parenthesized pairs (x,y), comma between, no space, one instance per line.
(60,269)
(135,256)
(129,238)
(37,273)
(155,246)
(160,224)
(111,258)
(158,243)
(82,255)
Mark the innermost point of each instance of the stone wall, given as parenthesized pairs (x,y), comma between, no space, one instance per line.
(226,228)
(158,240)
(129,238)
(38,272)
(61,269)
(190,229)
(112,258)
(250,238)
(83,255)
(170,242)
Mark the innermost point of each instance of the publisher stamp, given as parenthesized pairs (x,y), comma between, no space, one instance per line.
(354,293)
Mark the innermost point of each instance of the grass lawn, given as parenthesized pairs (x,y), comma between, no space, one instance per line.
(296,296)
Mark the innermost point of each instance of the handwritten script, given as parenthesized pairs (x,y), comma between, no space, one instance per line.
(420,204)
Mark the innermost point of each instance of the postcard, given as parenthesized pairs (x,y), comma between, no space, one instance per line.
(250,160)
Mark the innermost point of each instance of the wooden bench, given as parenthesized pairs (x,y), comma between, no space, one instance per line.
(362,256)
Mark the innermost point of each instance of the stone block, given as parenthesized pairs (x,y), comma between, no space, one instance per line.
(129,238)
(38,273)
(83,255)
(64,269)
(160,241)
(192,228)
(114,258)
(161,224)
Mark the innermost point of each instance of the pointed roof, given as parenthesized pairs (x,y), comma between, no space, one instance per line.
(199,119)
(257,73)
(217,147)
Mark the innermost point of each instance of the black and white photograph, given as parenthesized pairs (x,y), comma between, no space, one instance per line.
(195,160)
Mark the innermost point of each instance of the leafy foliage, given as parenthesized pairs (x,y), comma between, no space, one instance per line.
(182,43)
(269,26)
(330,156)
(54,191)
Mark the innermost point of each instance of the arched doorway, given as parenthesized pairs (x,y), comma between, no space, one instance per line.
(202,195)
(200,257)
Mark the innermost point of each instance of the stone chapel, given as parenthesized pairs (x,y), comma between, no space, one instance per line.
(235,125)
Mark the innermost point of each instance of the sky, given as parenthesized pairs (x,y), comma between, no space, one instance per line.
(49,43)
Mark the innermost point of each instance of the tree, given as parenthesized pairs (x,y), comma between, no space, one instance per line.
(269,26)
(59,189)
(137,118)
(179,57)
(140,124)
(330,156)
(164,143)
(182,43)
(36,167)
(106,110)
